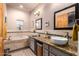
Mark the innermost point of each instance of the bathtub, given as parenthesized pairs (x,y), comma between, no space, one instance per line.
(17,42)
(12,38)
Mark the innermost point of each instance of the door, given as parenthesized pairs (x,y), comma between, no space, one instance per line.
(1,46)
(1,19)
(1,30)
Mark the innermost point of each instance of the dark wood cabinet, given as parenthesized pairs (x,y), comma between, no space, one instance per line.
(39,49)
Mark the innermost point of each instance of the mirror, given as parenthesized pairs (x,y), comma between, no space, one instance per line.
(65,18)
(38,24)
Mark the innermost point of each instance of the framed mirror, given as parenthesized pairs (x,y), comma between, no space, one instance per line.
(38,24)
(65,18)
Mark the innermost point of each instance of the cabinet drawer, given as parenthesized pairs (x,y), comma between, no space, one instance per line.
(57,52)
(45,46)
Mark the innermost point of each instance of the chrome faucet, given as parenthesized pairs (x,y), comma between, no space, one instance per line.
(68,37)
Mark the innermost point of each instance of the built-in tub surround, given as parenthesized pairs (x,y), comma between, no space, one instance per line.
(16,44)
(16,40)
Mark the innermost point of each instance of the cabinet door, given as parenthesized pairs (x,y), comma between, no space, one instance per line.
(39,49)
(45,46)
(57,52)
(45,52)
(32,43)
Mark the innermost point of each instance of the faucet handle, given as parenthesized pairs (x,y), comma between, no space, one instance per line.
(67,34)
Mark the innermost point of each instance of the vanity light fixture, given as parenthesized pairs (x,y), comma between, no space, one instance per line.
(37,13)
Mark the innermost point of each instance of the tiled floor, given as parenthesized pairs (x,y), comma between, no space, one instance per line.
(22,52)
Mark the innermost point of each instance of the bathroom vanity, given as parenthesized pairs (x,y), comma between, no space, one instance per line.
(47,48)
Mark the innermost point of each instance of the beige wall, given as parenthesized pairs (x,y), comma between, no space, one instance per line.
(47,14)
(15,14)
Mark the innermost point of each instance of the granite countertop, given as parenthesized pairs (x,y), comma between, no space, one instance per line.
(66,48)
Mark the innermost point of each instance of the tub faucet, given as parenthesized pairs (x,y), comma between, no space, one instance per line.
(9,37)
(68,37)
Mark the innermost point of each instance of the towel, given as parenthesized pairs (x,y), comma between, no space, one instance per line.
(75,32)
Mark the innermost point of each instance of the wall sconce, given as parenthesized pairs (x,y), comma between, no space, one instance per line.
(37,13)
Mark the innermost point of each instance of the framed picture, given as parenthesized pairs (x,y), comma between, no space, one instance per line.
(38,24)
(65,18)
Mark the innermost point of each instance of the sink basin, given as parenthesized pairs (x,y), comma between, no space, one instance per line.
(59,40)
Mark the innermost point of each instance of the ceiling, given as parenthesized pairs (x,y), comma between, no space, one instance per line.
(26,6)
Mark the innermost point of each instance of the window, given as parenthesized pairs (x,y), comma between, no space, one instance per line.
(19,24)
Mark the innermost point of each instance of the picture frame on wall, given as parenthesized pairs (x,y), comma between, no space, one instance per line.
(38,24)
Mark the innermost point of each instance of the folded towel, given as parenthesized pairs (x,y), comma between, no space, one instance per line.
(75,32)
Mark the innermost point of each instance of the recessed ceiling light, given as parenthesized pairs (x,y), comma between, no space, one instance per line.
(21,6)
